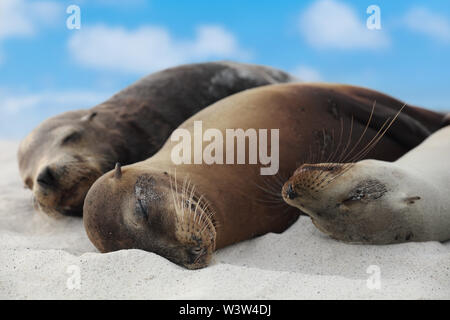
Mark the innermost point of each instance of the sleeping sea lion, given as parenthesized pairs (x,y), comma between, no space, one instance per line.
(62,157)
(220,193)
(379,202)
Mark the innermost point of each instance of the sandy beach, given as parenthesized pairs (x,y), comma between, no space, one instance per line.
(42,258)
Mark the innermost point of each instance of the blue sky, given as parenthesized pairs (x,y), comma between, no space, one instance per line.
(46,69)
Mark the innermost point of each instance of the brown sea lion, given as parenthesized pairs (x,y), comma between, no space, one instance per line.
(184,212)
(62,157)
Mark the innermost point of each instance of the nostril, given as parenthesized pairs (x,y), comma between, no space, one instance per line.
(291,194)
(46,178)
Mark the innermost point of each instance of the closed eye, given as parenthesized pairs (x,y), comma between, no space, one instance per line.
(197,251)
(74,136)
(141,208)
(352,199)
(357,195)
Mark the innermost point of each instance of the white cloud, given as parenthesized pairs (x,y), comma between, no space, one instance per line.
(13,20)
(332,24)
(307,74)
(149,48)
(424,21)
(23,18)
(214,41)
(19,18)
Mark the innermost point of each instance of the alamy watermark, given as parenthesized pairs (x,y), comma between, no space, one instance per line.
(74,280)
(74,20)
(374,281)
(213,153)
(374,20)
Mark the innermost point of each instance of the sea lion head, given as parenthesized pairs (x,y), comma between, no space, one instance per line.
(147,209)
(358,202)
(59,161)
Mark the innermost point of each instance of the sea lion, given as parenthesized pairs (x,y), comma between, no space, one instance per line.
(186,211)
(62,157)
(379,202)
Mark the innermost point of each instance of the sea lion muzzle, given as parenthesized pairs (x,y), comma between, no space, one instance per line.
(46,178)
(291,194)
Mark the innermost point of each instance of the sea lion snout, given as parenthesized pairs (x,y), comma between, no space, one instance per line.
(291,194)
(310,178)
(308,183)
(46,178)
(59,186)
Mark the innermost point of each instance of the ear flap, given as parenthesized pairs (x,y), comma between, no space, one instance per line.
(89,116)
(117,171)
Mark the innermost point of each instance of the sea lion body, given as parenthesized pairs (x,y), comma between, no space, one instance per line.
(184,212)
(62,157)
(379,202)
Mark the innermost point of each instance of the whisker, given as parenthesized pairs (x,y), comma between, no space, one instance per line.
(349,160)
(369,143)
(363,134)
(349,139)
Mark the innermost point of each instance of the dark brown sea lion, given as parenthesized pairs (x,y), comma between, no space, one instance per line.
(184,212)
(62,157)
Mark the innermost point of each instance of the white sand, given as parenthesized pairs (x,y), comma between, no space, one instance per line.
(38,256)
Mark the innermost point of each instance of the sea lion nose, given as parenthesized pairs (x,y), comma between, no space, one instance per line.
(290,192)
(46,178)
